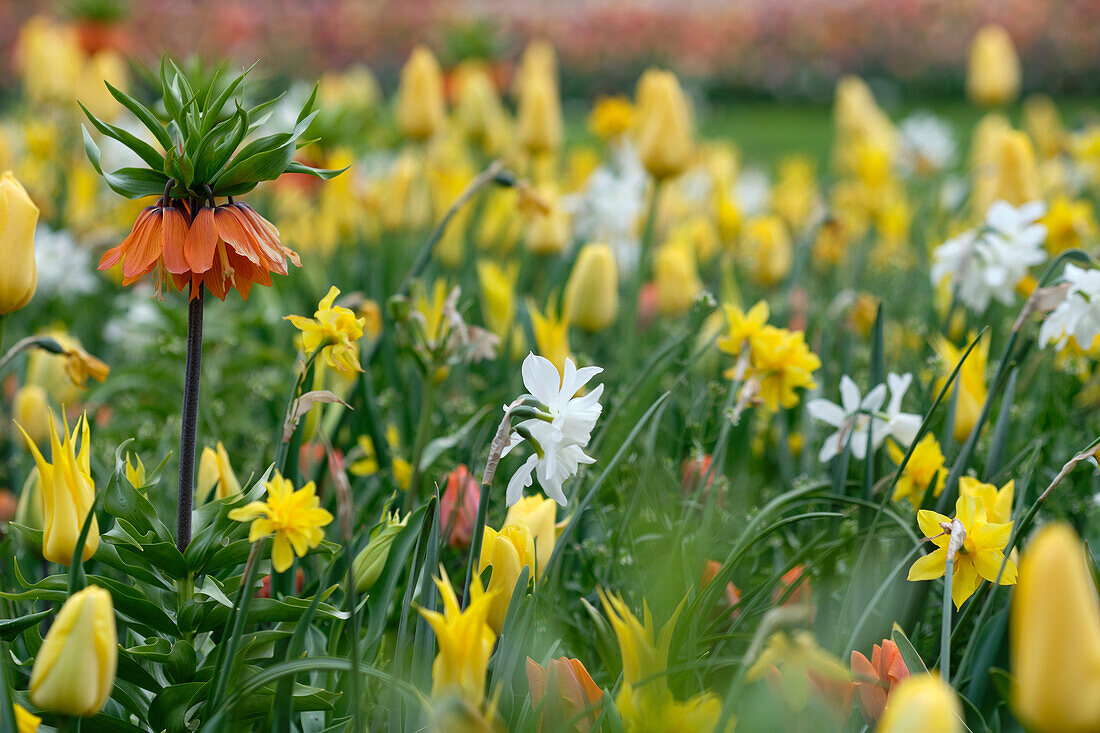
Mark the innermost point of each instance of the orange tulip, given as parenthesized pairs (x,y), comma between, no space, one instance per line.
(569,692)
(876,679)
(793,578)
(733,593)
(458,507)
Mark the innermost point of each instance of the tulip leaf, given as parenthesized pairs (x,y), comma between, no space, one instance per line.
(908,653)
(168,710)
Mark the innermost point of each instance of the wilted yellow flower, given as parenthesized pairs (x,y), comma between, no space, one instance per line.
(508,552)
(68,492)
(80,365)
(970,383)
(420,106)
(551,333)
(465,642)
(294,517)
(924,470)
(333,329)
(74,669)
(922,703)
(980,556)
(1055,636)
(677,278)
(665,134)
(783,363)
(18,218)
(216,470)
(611,117)
(498,302)
(766,247)
(1070,224)
(31,408)
(592,292)
(993,68)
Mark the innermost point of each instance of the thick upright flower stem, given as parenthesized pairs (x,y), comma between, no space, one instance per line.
(190,420)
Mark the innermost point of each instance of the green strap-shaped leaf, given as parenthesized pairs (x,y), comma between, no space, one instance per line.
(144,150)
(133,183)
(144,115)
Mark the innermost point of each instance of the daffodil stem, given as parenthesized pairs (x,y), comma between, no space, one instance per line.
(945,627)
(190,420)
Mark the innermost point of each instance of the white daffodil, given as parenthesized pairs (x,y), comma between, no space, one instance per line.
(560,433)
(901,426)
(1078,315)
(988,263)
(927,144)
(851,418)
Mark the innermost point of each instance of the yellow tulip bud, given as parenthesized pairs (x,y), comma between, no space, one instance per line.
(508,552)
(539,61)
(74,670)
(498,302)
(18,217)
(539,516)
(539,116)
(31,409)
(1055,636)
(551,333)
(216,470)
(767,248)
(67,493)
(1043,123)
(677,278)
(665,142)
(420,107)
(478,107)
(859,122)
(1019,176)
(592,292)
(922,704)
(993,68)
(135,471)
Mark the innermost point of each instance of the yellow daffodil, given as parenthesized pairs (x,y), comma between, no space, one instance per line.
(996,502)
(970,384)
(1070,224)
(294,517)
(508,552)
(743,327)
(611,117)
(465,641)
(782,362)
(333,329)
(924,470)
(980,556)
(68,492)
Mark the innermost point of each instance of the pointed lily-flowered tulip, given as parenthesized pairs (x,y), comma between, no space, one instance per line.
(465,642)
(68,492)
(564,692)
(922,704)
(876,679)
(1055,636)
(74,669)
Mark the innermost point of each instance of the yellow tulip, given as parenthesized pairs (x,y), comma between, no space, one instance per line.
(508,551)
(18,217)
(1043,123)
(665,136)
(29,510)
(420,106)
(1055,636)
(970,385)
(465,642)
(551,333)
(548,232)
(677,278)
(31,408)
(539,516)
(105,66)
(477,106)
(922,704)
(539,116)
(49,58)
(497,285)
(592,292)
(539,61)
(1018,173)
(74,670)
(860,122)
(216,470)
(67,493)
(993,68)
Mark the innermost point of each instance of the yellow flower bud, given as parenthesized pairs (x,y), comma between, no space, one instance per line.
(922,704)
(498,302)
(29,510)
(67,493)
(677,278)
(1055,636)
(508,552)
(74,670)
(767,249)
(539,116)
(993,69)
(1019,176)
(665,142)
(477,107)
(551,333)
(539,516)
(592,292)
(18,217)
(420,108)
(539,61)
(31,409)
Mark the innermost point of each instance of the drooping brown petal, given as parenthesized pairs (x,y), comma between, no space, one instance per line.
(202,238)
(173,236)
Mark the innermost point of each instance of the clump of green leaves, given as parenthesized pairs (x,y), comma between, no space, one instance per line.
(202,135)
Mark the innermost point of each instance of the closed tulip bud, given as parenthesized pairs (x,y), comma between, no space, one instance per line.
(458,508)
(31,408)
(420,109)
(539,516)
(1019,176)
(1043,123)
(993,68)
(922,704)
(665,142)
(68,492)
(371,560)
(18,218)
(592,292)
(477,108)
(539,116)
(677,279)
(106,66)
(74,670)
(508,552)
(1054,636)
(571,696)
(539,61)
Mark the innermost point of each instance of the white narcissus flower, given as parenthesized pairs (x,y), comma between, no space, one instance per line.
(927,144)
(564,430)
(1078,315)
(855,415)
(988,263)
